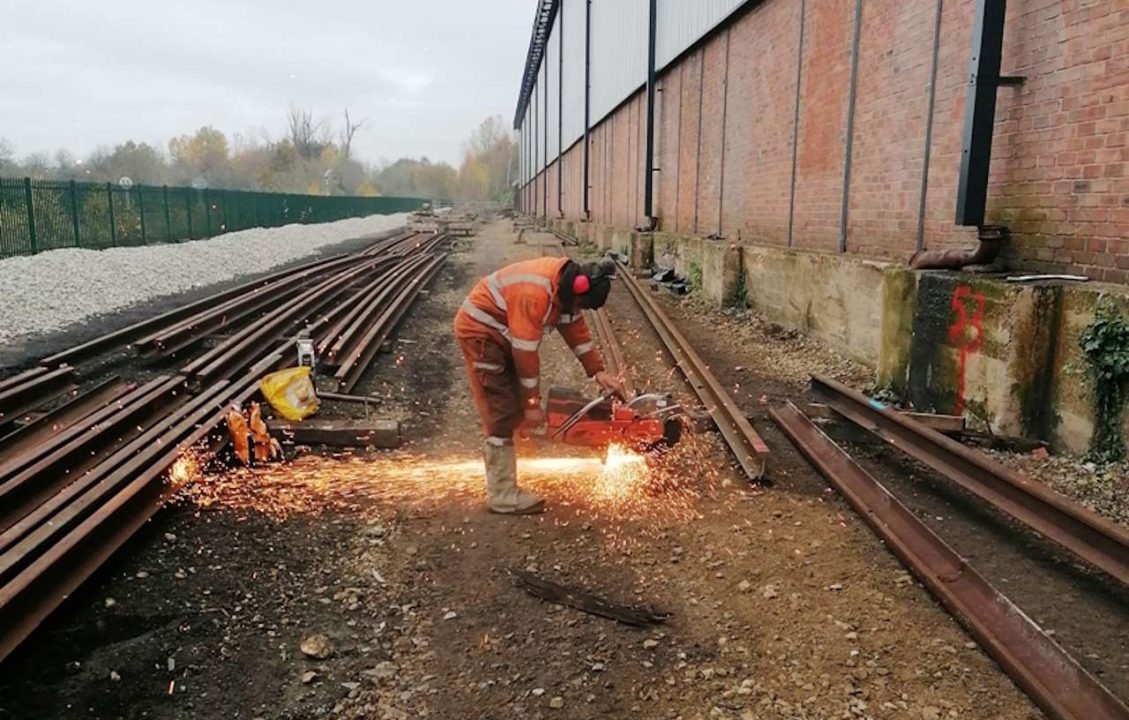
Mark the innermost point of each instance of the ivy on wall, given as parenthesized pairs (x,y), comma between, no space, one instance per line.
(1105,344)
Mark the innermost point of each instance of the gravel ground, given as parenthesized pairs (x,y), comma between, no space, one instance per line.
(44,293)
(1103,489)
(389,573)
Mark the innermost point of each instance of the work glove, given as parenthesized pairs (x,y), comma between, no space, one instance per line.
(534,417)
(610,383)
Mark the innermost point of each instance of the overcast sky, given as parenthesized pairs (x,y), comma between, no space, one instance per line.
(79,73)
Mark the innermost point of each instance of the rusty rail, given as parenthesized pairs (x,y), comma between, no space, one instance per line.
(174,338)
(408,287)
(130,333)
(58,419)
(613,351)
(1099,542)
(56,556)
(26,391)
(77,481)
(747,446)
(1039,665)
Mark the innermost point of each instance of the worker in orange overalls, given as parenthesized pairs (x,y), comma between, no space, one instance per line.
(499,328)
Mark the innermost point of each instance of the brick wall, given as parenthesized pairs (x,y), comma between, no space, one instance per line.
(724,134)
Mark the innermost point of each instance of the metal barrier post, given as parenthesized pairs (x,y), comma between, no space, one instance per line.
(188,208)
(168,216)
(30,215)
(141,211)
(113,225)
(74,213)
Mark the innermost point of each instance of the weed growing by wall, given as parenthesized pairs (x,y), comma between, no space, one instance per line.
(1105,343)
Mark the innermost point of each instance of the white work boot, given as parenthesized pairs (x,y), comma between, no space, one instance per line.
(502,493)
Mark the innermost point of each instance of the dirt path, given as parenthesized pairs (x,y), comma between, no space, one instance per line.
(783,604)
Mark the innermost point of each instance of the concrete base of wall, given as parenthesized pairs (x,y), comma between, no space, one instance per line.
(950,342)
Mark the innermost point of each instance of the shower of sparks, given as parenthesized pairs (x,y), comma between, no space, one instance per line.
(187,468)
(626,487)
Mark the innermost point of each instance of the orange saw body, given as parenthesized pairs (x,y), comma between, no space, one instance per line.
(644,423)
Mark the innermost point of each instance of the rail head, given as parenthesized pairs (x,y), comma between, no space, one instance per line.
(1098,541)
(1041,667)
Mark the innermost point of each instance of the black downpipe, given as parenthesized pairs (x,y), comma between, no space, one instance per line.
(587,97)
(649,163)
(980,111)
(536,152)
(545,127)
(560,111)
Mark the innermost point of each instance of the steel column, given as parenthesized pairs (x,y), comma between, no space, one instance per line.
(649,161)
(850,141)
(920,242)
(545,133)
(587,99)
(560,114)
(980,111)
(796,123)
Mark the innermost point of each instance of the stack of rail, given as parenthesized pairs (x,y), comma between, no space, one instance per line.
(82,468)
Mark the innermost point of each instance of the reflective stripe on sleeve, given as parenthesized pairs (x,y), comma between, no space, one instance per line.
(583,348)
(529,383)
(507,280)
(491,367)
(527,345)
(495,290)
(485,318)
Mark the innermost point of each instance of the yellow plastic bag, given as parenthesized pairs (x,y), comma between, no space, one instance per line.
(291,393)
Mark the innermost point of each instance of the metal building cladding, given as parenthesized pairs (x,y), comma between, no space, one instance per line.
(862,127)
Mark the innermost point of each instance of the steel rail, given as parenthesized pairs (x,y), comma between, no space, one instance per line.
(90,474)
(241,349)
(21,378)
(31,389)
(179,336)
(348,337)
(747,446)
(54,421)
(613,351)
(28,535)
(130,333)
(360,357)
(383,246)
(1039,665)
(1097,541)
(346,312)
(29,479)
(43,585)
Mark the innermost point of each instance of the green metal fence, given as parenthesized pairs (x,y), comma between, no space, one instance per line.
(38,215)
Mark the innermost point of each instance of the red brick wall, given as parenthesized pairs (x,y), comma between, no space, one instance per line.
(823,122)
(889,139)
(1060,159)
(760,108)
(1060,172)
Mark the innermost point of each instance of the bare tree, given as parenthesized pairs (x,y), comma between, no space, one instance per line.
(347,134)
(306,134)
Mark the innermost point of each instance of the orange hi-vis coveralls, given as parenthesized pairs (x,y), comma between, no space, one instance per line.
(499,329)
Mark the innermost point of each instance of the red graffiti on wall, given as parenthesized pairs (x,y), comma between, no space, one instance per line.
(965,333)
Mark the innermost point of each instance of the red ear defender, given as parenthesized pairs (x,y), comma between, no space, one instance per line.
(581,284)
